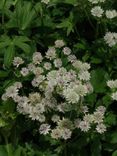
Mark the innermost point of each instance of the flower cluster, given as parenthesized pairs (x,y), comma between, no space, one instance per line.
(58,84)
(113,85)
(111,38)
(97,11)
(96,118)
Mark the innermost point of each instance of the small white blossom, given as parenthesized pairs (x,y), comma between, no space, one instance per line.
(37,58)
(71,96)
(44,129)
(17,61)
(24,71)
(101,128)
(59,43)
(98,117)
(66,133)
(112,84)
(72,58)
(85,76)
(84,126)
(51,53)
(47,65)
(56,133)
(55,118)
(101,109)
(97,11)
(58,63)
(114,96)
(110,38)
(66,50)
(111,14)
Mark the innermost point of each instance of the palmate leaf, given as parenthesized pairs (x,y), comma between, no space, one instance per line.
(23,15)
(9,55)
(19,41)
(67,24)
(96,147)
(4,42)
(98,80)
(10,45)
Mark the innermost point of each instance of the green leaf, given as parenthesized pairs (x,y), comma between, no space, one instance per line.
(3,151)
(96,147)
(25,47)
(9,55)
(4,42)
(111,119)
(3,74)
(18,151)
(113,138)
(95,60)
(99,78)
(114,153)
(19,41)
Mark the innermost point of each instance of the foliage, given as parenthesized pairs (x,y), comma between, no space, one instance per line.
(27,26)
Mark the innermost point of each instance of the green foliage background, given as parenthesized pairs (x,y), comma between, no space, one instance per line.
(27,26)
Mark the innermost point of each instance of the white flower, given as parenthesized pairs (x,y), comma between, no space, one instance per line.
(51,53)
(112,84)
(97,11)
(101,109)
(81,66)
(101,128)
(47,65)
(34,98)
(89,118)
(52,75)
(18,85)
(58,63)
(114,96)
(24,71)
(72,58)
(17,61)
(111,14)
(66,133)
(44,129)
(59,43)
(84,126)
(85,76)
(98,117)
(110,38)
(80,89)
(11,91)
(56,133)
(38,71)
(37,80)
(55,118)
(71,96)
(84,109)
(66,50)
(37,58)
(45,1)
(31,67)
